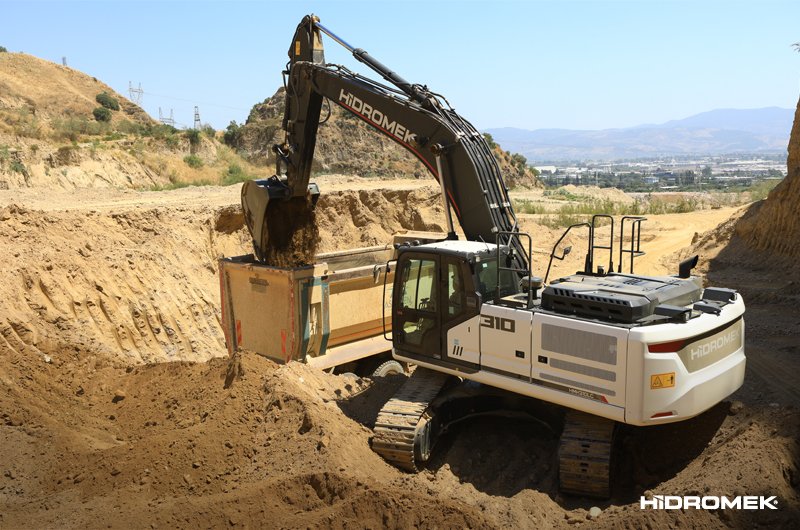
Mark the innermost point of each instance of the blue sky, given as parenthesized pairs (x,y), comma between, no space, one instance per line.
(536,64)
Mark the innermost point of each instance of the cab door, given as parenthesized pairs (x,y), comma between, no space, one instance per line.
(416,315)
(460,310)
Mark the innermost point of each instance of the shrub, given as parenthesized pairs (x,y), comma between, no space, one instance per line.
(102,114)
(519,160)
(105,99)
(72,128)
(193,161)
(160,131)
(234,175)
(209,131)
(18,167)
(172,141)
(194,137)
(490,140)
(233,135)
(3,49)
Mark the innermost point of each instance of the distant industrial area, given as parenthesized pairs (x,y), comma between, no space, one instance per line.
(668,173)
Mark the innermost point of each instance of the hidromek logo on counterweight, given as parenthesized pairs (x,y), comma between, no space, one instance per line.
(376,117)
(704,349)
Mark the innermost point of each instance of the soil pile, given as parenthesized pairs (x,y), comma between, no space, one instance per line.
(242,441)
(136,281)
(136,285)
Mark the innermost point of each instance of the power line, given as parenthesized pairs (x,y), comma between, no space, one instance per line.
(195,101)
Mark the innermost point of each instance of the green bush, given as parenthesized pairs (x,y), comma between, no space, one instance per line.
(18,167)
(172,141)
(105,99)
(209,131)
(102,114)
(193,161)
(194,137)
(233,135)
(3,49)
(160,131)
(72,128)
(489,140)
(234,175)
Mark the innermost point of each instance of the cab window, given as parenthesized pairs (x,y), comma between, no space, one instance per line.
(487,281)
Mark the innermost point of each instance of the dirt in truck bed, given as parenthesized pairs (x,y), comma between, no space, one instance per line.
(118,407)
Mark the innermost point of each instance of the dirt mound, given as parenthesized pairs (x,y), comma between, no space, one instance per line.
(168,445)
(182,444)
(370,217)
(134,281)
(134,285)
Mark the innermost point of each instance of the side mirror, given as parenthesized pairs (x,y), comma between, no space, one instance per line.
(564,253)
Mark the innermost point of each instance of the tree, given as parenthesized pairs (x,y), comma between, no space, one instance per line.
(233,135)
(707,172)
(3,49)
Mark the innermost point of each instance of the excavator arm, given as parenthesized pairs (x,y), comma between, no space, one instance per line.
(420,121)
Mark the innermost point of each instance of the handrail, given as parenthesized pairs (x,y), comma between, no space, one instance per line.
(592,246)
(636,239)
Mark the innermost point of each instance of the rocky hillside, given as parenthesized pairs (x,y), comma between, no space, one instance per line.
(377,156)
(55,132)
(774,224)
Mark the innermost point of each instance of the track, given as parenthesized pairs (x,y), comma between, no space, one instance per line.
(402,429)
(584,455)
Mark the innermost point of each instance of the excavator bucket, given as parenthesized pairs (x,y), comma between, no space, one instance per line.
(277,221)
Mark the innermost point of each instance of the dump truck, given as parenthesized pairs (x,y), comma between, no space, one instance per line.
(331,314)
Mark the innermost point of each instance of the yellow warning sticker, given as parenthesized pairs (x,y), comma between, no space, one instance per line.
(297,47)
(662,380)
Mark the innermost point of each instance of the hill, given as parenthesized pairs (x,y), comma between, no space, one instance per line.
(719,131)
(50,136)
(346,145)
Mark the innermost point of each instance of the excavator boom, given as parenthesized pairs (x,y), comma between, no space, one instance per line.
(420,121)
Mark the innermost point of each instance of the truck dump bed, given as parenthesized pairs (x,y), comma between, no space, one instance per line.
(326,314)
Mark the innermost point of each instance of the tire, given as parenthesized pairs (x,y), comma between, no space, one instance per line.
(388,368)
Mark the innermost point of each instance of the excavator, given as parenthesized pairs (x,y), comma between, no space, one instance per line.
(607,347)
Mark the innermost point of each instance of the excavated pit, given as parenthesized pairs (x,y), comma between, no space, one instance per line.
(96,426)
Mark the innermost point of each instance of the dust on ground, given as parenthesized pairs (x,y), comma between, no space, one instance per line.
(96,432)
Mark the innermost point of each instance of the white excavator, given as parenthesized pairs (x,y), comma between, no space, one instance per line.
(611,347)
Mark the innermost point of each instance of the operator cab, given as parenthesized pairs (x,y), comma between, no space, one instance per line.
(441,285)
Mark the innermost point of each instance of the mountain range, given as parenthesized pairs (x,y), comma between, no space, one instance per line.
(720,131)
